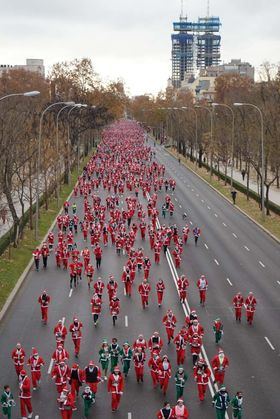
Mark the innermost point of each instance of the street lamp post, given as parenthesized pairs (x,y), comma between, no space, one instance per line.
(196,131)
(25,94)
(232,138)
(57,170)
(211,136)
(39,165)
(262,149)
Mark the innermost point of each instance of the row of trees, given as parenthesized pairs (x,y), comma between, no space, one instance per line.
(19,125)
(180,125)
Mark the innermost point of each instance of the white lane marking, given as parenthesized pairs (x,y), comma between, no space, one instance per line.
(234,235)
(262,264)
(278,282)
(124,291)
(224,224)
(192,190)
(216,215)
(70,293)
(202,201)
(126,321)
(197,195)
(52,361)
(129,415)
(247,248)
(228,280)
(180,205)
(191,223)
(37,417)
(217,263)
(270,344)
(176,199)
(208,207)
(206,245)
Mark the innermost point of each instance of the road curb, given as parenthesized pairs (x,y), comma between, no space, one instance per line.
(28,268)
(228,200)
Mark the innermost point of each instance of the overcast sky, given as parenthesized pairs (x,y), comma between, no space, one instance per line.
(130,39)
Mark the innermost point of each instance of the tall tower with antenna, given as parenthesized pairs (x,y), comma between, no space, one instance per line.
(195,45)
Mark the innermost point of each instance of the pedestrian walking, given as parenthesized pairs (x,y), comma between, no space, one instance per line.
(196,234)
(221,402)
(36,255)
(104,358)
(44,301)
(35,362)
(233,196)
(237,405)
(218,329)
(25,395)
(237,302)
(126,357)
(202,285)
(7,402)
(89,399)
(115,387)
(250,304)
(160,287)
(219,364)
(180,381)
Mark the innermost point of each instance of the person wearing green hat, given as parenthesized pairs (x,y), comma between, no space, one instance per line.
(180,381)
(221,402)
(237,405)
(89,400)
(104,357)
(7,402)
(126,356)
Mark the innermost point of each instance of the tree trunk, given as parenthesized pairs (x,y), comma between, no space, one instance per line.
(267,199)
(30,196)
(7,189)
(200,153)
(248,180)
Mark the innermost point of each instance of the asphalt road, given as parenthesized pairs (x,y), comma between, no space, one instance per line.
(254,365)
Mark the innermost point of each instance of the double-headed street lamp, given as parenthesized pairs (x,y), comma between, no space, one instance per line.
(262,149)
(39,164)
(211,135)
(232,137)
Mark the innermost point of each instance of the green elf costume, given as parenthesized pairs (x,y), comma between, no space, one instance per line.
(104,357)
(89,400)
(7,402)
(126,356)
(180,380)
(114,350)
(221,402)
(218,330)
(237,405)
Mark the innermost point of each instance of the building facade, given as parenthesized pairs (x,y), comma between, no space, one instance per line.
(32,64)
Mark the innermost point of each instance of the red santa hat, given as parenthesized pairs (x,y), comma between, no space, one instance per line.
(23,373)
(34,351)
(116,369)
(91,363)
(221,351)
(75,366)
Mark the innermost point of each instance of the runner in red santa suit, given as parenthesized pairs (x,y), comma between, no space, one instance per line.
(195,342)
(139,361)
(219,364)
(126,279)
(25,395)
(155,343)
(250,304)
(147,267)
(164,373)
(75,329)
(66,403)
(85,253)
(60,333)
(202,376)
(195,327)
(96,304)
(183,284)
(36,255)
(169,321)
(89,271)
(153,364)
(114,308)
(98,287)
(112,287)
(60,354)
(60,375)
(115,387)
(157,250)
(18,355)
(160,287)
(180,345)
(144,291)
(202,285)
(186,231)
(35,362)
(237,302)
(44,301)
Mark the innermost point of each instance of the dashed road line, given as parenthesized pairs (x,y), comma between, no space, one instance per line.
(262,264)
(228,280)
(129,415)
(247,248)
(270,344)
(202,201)
(217,263)
(70,292)
(192,190)
(208,207)
(234,235)
(180,205)
(197,195)
(216,215)
(278,282)
(206,246)
(191,223)
(176,199)
(224,224)
(126,321)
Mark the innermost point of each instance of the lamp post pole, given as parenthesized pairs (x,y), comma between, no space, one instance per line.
(232,138)
(196,131)
(211,136)
(262,150)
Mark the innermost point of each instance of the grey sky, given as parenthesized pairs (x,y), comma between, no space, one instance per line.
(131,39)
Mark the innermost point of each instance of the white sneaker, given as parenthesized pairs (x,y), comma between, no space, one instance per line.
(30,415)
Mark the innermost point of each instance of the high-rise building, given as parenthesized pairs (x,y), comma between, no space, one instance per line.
(195,45)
